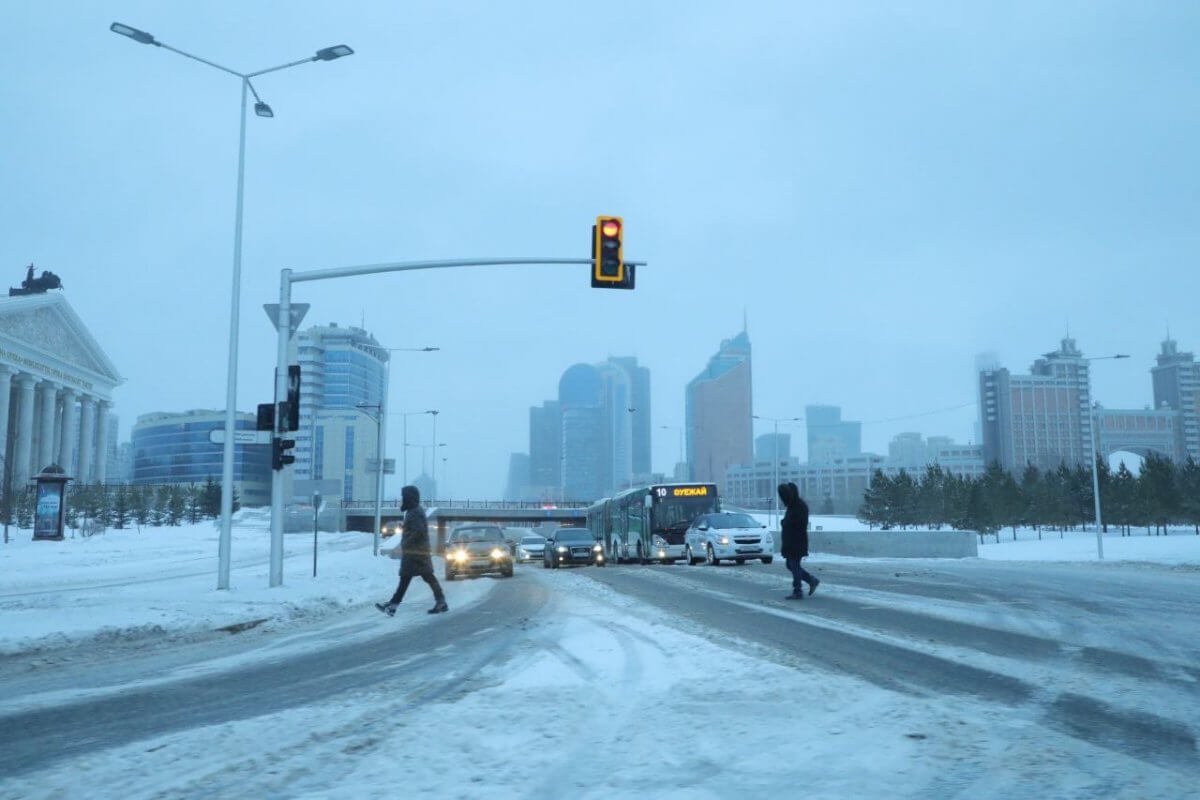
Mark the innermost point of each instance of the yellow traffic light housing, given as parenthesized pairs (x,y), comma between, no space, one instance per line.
(609,270)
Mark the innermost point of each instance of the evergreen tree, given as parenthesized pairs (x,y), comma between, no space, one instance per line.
(176,505)
(931,497)
(1189,493)
(158,512)
(1162,491)
(874,507)
(120,507)
(211,499)
(193,503)
(1033,498)
(139,504)
(903,499)
(1122,499)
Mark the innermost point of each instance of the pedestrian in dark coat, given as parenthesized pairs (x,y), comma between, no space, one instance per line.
(416,555)
(794,528)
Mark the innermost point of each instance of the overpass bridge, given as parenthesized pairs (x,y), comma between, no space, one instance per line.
(444,515)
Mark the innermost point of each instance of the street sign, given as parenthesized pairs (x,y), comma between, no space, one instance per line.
(303,489)
(217,436)
(298,311)
(389,465)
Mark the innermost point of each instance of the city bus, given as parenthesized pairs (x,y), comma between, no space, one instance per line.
(648,523)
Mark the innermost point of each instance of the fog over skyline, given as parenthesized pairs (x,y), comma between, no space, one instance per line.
(882,194)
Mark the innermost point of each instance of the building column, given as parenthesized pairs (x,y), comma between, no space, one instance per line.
(87,437)
(23,449)
(49,404)
(102,409)
(5,393)
(70,418)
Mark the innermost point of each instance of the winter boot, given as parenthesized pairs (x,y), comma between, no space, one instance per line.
(439,608)
(812,587)
(387,608)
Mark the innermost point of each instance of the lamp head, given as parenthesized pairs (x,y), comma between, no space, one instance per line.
(331,53)
(263,110)
(132,33)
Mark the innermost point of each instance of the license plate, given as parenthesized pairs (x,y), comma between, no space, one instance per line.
(749,549)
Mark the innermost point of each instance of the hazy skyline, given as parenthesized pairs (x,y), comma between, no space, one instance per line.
(883,193)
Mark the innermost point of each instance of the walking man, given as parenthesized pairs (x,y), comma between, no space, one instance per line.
(795,540)
(416,556)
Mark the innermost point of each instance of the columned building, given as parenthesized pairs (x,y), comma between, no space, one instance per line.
(56,386)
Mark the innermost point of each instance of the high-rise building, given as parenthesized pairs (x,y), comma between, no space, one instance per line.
(517,485)
(586,438)
(773,445)
(1043,418)
(1176,379)
(908,450)
(545,450)
(340,369)
(639,379)
(829,437)
(718,410)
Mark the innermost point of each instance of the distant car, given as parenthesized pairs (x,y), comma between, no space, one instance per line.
(477,550)
(572,546)
(726,535)
(391,528)
(532,547)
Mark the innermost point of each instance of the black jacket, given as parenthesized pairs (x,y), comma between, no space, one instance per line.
(794,526)
(415,551)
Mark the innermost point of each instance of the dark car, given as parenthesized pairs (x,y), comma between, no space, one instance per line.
(477,550)
(572,546)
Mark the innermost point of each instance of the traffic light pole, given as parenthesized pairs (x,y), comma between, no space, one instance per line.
(286,278)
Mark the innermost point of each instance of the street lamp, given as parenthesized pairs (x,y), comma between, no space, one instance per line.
(775,463)
(1095,471)
(404,440)
(262,110)
(680,429)
(378,419)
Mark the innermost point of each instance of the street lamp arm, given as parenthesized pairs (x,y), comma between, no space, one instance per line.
(201,60)
(281,66)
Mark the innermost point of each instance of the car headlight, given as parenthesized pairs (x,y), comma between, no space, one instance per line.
(723,540)
(497,553)
(597,549)
(459,555)
(562,549)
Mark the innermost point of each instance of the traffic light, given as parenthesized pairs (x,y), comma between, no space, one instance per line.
(609,270)
(280,455)
(291,420)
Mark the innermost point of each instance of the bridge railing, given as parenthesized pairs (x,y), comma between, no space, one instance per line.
(499,505)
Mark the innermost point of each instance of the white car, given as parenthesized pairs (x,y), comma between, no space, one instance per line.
(728,535)
(531,548)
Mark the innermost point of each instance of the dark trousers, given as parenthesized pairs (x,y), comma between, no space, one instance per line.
(799,575)
(428,577)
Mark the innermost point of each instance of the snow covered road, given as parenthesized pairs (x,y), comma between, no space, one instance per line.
(922,679)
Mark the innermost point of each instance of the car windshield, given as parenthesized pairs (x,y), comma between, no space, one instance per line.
(573,536)
(478,535)
(732,521)
(533,540)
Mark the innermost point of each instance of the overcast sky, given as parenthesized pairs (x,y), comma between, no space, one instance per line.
(884,190)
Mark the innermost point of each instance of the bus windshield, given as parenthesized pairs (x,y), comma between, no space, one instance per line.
(676,506)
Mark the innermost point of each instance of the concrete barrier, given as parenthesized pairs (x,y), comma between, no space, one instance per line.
(892,544)
(895,544)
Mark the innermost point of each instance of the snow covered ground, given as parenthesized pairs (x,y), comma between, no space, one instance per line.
(131,584)
(644,721)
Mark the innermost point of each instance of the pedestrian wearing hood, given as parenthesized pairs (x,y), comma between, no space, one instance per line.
(416,556)
(794,528)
